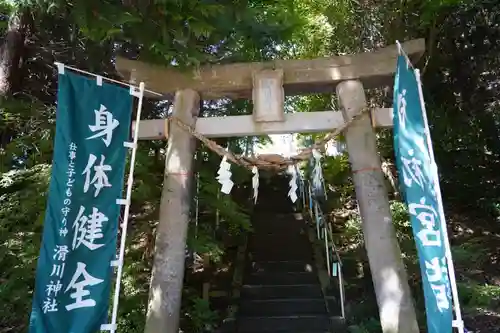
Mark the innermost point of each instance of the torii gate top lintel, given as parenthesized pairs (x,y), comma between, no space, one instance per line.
(373,69)
(267,84)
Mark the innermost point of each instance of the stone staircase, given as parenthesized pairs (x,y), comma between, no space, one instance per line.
(281,290)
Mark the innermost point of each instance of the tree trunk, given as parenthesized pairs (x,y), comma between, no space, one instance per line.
(11,56)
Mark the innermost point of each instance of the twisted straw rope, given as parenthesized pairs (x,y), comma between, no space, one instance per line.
(250,162)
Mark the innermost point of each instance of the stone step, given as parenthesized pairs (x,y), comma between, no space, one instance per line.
(256,292)
(338,325)
(292,331)
(287,331)
(272,238)
(288,218)
(267,233)
(283,324)
(278,231)
(269,218)
(282,251)
(279,225)
(282,307)
(281,278)
(280,244)
(281,266)
(280,256)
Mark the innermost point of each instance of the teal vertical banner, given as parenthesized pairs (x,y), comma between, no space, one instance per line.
(417,184)
(74,273)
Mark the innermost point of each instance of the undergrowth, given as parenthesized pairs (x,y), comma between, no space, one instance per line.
(475,294)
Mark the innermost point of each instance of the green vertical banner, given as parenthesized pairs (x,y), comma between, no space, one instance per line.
(418,184)
(74,273)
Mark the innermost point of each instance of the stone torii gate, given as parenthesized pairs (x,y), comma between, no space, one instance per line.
(266,84)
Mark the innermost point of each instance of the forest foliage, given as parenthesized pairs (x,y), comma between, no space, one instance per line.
(461,86)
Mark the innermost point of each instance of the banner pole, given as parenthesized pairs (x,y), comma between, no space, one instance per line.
(130,181)
(197,208)
(459,324)
(402,52)
(60,66)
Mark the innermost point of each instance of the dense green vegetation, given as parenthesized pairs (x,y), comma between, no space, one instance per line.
(461,71)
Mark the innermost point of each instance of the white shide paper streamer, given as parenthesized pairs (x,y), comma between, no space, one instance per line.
(255,183)
(224,176)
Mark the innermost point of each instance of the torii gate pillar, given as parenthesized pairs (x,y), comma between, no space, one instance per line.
(397,313)
(170,246)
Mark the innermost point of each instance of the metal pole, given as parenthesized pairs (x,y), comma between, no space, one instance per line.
(130,182)
(217,215)
(341,287)
(310,201)
(197,204)
(303,193)
(317,219)
(327,252)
